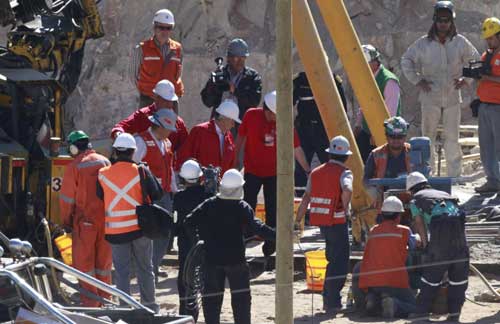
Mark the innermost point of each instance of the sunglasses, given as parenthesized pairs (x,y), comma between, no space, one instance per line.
(396,136)
(163,28)
(443,20)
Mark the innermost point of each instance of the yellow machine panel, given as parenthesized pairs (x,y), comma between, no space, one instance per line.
(58,166)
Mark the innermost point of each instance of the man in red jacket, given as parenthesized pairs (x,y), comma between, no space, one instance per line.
(83,212)
(164,97)
(212,142)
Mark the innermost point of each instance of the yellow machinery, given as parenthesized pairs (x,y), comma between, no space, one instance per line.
(39,68)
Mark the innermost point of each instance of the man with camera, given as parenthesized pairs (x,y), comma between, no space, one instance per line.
(234,81)
(434,64)
(488,92)
(157,58)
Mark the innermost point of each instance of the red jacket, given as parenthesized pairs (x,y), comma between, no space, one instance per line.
(203,144)
(326,195)
(384,259)
(138,122)
(160,165)
(78,200)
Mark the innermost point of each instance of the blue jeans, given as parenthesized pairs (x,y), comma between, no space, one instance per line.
(337,255)
(141,250)
(160,245)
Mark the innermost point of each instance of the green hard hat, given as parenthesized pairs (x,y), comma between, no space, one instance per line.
(396,126)
(75,136)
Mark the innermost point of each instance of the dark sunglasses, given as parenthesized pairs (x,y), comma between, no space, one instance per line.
(164,27)
(396,136)
(443,20)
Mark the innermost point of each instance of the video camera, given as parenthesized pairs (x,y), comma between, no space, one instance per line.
(211,175)
(219,77)
(477,69)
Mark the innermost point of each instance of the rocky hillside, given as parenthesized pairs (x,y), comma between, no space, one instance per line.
(105,94)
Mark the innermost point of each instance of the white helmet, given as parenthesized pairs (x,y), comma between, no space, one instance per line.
(124,141)
(270,100)
(339,145)
(370,52)
(166,90)
(191,171)
(232,179)
(414,179)
(164,16)
(229,109)
(392,204)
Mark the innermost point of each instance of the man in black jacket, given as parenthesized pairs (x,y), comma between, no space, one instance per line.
(221,222)
(239,83)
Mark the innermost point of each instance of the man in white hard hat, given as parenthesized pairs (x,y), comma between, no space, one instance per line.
(164,98)
(222,222)
(329,191)
(154,148)
(121,192)
(257,137)
(382,272)
(157,58)
(184,202)
(437,213)
(211,143)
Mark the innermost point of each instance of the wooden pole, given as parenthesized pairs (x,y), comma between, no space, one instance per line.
(285,164)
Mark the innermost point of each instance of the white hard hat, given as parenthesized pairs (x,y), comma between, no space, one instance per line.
(191,171)
(392,205)
(166,90)
(165,118)
(339,145)
(164,16)
(370,52)
(414,179)
(270,100)
(229,109)
(232,179)
(124,141)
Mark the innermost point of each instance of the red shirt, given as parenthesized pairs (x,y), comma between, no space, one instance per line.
(203,144)
(260,146)
(138,122)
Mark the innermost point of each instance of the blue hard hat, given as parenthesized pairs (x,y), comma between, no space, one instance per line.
(238,47)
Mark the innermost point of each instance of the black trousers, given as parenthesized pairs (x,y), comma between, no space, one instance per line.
(364,145)
(184,245)
(252,187)
(238,276)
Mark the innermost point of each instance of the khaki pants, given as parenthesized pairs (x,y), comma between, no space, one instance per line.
(363,221)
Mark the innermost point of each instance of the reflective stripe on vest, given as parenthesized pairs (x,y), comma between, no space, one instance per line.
(380,156)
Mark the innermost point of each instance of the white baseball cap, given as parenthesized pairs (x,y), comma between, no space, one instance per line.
(166,90)
(270,100)
(229,109)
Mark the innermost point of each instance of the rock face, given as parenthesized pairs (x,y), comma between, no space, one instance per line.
(105,93)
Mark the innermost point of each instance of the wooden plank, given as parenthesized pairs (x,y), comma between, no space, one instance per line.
(468,141)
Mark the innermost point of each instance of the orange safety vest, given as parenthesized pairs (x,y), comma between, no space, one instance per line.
(326,195)
(160,165)
(380,156)
(122,193)
(154,68)
(385,257)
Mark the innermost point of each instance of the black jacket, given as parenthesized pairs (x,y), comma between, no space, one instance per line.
(221,223)
(248,91)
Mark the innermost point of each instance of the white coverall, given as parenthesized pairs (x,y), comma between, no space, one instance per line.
(440,64)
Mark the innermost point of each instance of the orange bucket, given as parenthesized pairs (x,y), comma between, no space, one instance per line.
(315,269)
(64,244)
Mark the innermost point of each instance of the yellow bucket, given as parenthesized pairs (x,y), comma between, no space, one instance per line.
(64,244)
(315,269)
(260,209)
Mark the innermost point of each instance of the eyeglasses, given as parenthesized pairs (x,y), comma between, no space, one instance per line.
(163,28)
(443,20)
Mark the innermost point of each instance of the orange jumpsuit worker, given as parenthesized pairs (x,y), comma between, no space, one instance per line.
(83,212)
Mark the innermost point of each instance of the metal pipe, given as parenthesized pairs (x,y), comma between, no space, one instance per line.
(40,300)
(285,164)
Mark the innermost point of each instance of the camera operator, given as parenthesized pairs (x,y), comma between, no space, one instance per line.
(234,81)
(488,92)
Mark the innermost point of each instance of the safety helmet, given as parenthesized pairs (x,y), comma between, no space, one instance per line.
(237,47)
(339,145)
(491,26)
(396,126)
(124,142)
(414,179)
(370,52)
(270,100)
(166,90)
(165,118)
(191,171)
(164,16)
(77,135)
(392,204)
(229,109)
(446,5)
(232,179)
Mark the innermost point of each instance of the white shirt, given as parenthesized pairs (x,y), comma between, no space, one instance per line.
(221,138)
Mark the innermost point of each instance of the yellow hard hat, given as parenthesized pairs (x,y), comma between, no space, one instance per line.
(491,26)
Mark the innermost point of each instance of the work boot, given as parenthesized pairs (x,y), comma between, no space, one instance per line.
(486,187)
(388,307)
(455,318)
(371,304)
